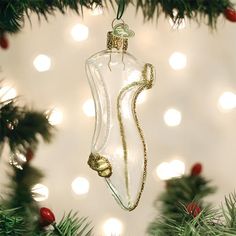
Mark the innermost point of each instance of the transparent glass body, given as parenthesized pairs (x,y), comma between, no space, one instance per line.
(116,135)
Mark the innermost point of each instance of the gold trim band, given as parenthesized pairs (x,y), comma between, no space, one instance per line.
(116,42)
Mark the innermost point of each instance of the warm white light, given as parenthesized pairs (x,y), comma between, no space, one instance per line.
(227,101)
(89,108)
(112,227)
(18,160)
(96,10)
(177,168)
(178,25)
(135,75)
(40,192)
(42,63)
(7,93)
(79,32)
(125,110)
(80,185)
(168,170)
(178,60)
(142,97)
(55,116)
(172,117)
(119,153)
(162,171)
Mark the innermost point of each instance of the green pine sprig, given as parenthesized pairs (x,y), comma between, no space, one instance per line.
(22,127)
(172,204)
(199,11)
(11,223)
(181,191)
(12,12)
(210,222)
(70,225)
(19,195)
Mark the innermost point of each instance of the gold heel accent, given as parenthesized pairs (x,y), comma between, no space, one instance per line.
(100,164)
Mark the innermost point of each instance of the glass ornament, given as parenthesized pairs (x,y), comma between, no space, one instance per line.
(119,152)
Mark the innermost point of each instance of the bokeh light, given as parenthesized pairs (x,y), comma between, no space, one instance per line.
(178,61)
(142,97)
(168,170)
(80,186)
(79,32)
(7,93)
(55,116)
(177,25)
(42,63)
(135,75)
(172,117)
(112,227)
(96,10)
(89,108)
(227,101)
(40,192)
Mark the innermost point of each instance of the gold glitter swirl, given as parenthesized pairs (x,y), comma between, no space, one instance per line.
(144,83)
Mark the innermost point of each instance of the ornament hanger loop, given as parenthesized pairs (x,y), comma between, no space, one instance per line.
(113,22)
(121,29)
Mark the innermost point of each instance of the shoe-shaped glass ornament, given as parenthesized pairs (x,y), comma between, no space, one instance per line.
(119,152)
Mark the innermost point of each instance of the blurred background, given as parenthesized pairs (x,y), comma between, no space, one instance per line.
(188,116)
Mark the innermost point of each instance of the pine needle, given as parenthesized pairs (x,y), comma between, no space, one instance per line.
(12,12)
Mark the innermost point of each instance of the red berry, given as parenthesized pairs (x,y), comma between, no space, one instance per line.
(193,209)
(46,216)
(29,155)
(4,43)
(230,14)
(196,169)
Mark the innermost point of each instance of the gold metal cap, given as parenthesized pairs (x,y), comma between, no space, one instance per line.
(119,43)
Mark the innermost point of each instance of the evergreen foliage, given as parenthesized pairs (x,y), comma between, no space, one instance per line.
(11,223)
(12,12)
(20,197)
(191,9)
(71,224)
(210,222)
(22,127)
(177,214)
(174,201)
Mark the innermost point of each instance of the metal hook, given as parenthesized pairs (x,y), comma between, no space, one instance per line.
(112,24)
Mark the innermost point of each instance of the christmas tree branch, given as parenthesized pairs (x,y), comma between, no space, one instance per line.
(70,225)
(210,222)
(178,10)
(182,204)
(11,223)
(12,13)
(184,212)
(20,215)
(20,186)
(20,197)
(22,127)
